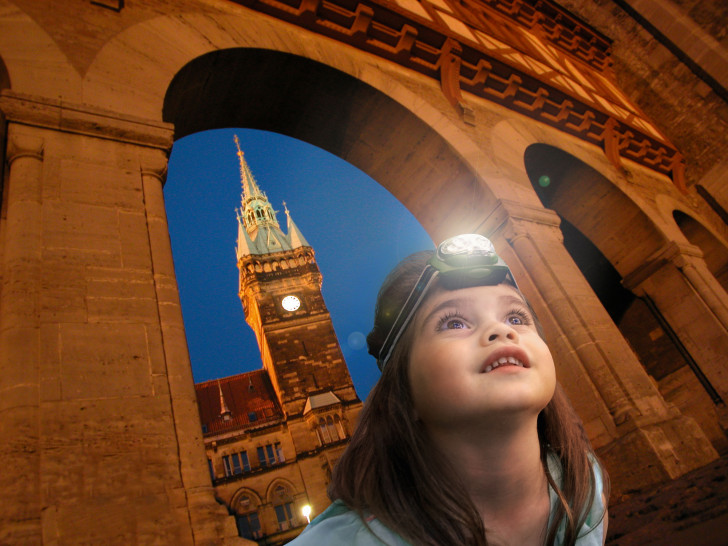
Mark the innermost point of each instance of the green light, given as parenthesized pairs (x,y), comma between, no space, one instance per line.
(544,181)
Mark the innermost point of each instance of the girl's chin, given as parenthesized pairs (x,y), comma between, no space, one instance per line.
(508,413)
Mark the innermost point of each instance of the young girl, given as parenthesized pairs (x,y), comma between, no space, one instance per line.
(467,438)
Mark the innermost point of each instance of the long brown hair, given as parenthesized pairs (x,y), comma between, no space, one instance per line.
(392,469)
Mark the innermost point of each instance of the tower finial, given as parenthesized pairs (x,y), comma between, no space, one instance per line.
(241,157)
(250,187)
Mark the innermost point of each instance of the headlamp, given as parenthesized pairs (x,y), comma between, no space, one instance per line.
(460,262)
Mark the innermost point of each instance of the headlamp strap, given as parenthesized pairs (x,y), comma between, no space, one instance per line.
(426,278)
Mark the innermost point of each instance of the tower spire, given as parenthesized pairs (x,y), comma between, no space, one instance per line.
(258,228)
(247,180)
(257,212)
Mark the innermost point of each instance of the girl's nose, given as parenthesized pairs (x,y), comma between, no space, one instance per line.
(500,331)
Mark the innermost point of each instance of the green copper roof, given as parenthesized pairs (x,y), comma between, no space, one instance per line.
(258,228)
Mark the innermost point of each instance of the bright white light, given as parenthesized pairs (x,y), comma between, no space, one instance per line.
(306,511)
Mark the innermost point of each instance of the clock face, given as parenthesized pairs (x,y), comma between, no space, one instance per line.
(290,303)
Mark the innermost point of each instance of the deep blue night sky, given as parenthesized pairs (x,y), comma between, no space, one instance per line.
(358,230)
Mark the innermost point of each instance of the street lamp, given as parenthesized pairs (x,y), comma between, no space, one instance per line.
(306,511)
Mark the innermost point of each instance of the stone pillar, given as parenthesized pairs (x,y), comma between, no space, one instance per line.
(100,438)
(20,340)
(692,301)
(646,441)
(211,523)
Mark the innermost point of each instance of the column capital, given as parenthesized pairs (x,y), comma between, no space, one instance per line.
(154,163)
(679,254)
(511,219)
(20,145)
(83,119)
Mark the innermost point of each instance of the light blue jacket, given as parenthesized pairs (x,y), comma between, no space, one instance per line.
(338,525)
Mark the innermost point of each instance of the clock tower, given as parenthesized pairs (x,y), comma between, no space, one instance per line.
(280,288)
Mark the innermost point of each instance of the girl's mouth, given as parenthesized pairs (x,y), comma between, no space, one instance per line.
(503,357)
(504,361)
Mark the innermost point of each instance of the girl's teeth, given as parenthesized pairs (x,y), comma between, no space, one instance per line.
(504,360)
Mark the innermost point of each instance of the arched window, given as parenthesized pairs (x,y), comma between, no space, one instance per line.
(340,427)
(246,517)
(283,506)
(324,431)
(333,433)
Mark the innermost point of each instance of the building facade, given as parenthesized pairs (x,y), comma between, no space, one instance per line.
(273,435)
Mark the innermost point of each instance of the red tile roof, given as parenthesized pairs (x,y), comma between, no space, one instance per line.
(247,395)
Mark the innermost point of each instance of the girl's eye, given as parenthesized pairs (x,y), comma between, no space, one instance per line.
(451,321)
(518,317)
(454,324)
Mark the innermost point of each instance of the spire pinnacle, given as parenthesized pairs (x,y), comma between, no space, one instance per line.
(258,228)
(250,186)
(294,234)
(225,412)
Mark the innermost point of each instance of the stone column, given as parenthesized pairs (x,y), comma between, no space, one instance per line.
(588,347)
(20,340)
(692,301)
(210,521)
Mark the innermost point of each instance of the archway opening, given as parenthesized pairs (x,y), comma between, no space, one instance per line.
(608,237)
(358,230)
(329,110)
(585,198)
(314,103)
(263,90)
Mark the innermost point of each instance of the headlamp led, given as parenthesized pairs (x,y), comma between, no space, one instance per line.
(460,262)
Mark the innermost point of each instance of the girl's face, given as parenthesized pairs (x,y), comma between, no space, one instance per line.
(477,354)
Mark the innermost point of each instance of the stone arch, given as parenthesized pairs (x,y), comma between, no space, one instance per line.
(296,96)
(247,505)
(715,252)
(587,200)
(270,493)
(403,142)
(282,496)
(608,247)
(20,34)
(245,492)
